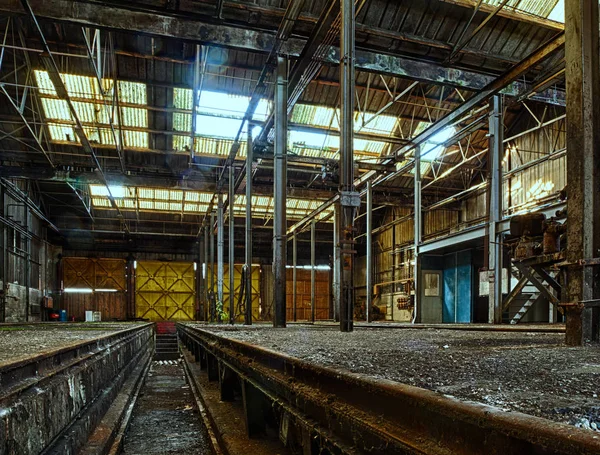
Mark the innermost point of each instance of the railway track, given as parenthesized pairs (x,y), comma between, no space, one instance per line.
(317,410)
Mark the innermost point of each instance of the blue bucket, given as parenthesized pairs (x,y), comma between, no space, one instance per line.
(63,316)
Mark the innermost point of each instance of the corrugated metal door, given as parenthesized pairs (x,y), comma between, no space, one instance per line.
(239,316)
(165,291)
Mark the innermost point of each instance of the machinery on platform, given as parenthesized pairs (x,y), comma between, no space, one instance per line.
(537,247)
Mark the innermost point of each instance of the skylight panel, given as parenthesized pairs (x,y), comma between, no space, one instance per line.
(434,147)
(558,13)
(81,86)
(541,8)
(132,92)
(226,128)
(117,191)
(306,114)
(182,98)
(370,123)
(44,83)
(222,103)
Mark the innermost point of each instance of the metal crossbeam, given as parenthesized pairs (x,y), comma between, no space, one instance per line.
(119,18)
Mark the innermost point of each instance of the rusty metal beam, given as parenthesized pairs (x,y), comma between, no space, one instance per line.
(326,408)
(583,169)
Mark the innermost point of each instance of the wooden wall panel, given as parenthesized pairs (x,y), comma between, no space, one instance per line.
(94,273)
(322,295)
(112,305)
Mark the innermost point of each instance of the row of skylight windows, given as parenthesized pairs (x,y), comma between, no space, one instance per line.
(95,110)
(218,118)
(190,202)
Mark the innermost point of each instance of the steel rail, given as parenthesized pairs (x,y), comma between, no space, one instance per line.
(325,409)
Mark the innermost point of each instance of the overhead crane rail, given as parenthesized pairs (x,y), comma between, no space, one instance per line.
(316,409)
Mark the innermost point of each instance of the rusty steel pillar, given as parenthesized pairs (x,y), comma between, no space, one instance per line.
(349,198)
(418,237)
(220,256)
(231,249)
(583,168)
(213,311)
(369,302)
(248,240)
(313,270)
(295,277)
(279,195)
(206,269)
(496,148)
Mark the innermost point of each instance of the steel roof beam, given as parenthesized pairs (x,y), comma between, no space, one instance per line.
(154,23)
(61,90)
(492,89)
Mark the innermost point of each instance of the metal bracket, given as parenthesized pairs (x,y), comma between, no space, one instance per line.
(350,199)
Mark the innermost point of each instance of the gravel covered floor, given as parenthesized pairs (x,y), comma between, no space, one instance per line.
(17,342)
(534,373)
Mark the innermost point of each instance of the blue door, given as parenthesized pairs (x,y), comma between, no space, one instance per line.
(458,295)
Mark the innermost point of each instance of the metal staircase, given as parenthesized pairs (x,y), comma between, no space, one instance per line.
(167,345)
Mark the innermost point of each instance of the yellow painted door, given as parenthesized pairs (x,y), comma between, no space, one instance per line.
(165,291)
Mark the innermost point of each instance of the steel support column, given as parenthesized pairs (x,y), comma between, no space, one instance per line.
(231,249)
(418,237)
(369,236)
(279,190)
(220,256)
(349,199)
(335,282)
(295,277)
(201,289)
(496,148)
(583,169)
(4,258)
(313,272)
(213,310)
(206,270)
(248,242)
